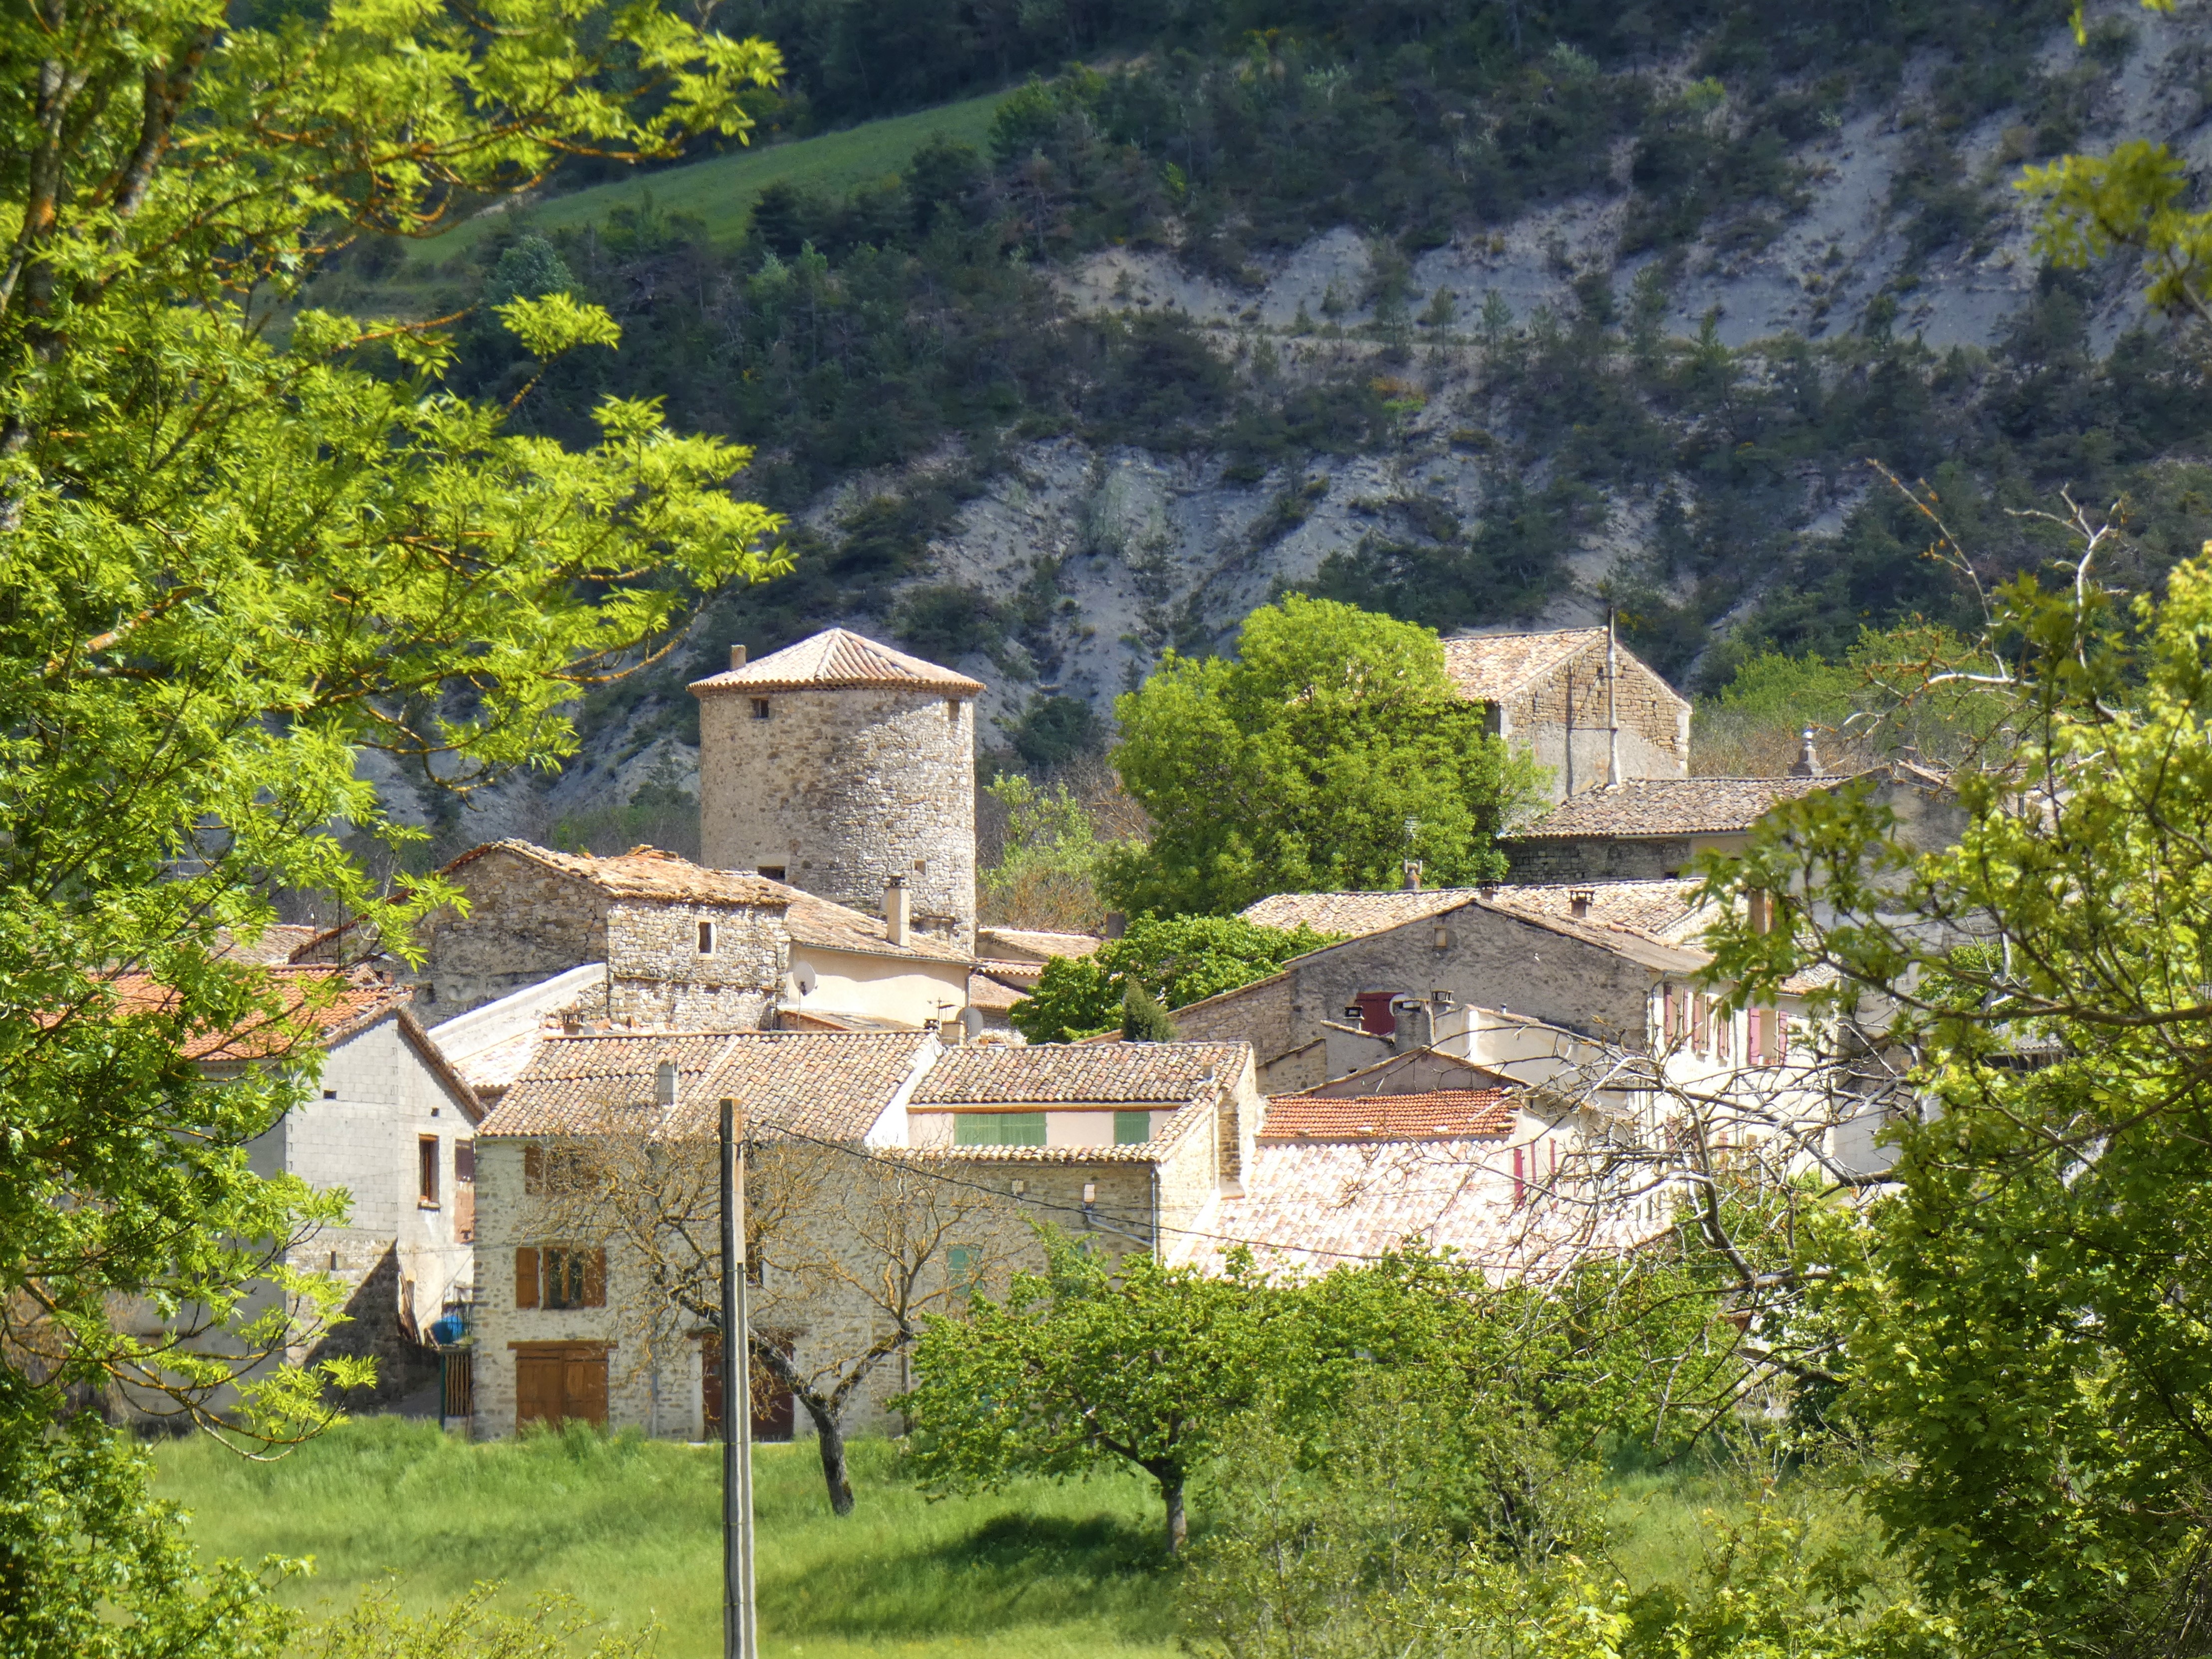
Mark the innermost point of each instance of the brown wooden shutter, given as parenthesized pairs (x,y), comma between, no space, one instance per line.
(584,1393)
(525,1277)
(533,1171)
(595,1279)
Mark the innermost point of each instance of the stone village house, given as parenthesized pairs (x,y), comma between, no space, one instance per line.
(1577,703)
(1126,1145)
(680,944)
(392,1122)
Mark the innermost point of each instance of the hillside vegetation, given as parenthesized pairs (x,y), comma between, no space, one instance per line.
(1465,313)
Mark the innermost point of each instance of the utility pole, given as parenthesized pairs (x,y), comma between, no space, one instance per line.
(1612,706)
(741,1639)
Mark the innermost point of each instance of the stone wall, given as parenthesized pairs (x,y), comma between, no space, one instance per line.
(1564,720)
(1556,859)
(1486,958)
(657,974)
(841,789)
(525,923)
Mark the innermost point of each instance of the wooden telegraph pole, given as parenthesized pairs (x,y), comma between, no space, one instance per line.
(741,1639)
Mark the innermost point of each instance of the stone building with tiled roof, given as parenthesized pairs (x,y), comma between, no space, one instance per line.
(1585,709)
(1653,828)
(389,1120)
(880,1158)
(847,770)
(681,944)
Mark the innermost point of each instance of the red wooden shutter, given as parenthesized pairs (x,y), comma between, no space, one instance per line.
(1520,1183)
(595,1279)
(525,1277)
(533,1171)
(1781,1037)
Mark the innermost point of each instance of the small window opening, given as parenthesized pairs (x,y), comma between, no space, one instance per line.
(705,939)
(760,709)
(952,710)
(1131,1128)
(330,1094)
(426,1159)
(773,872)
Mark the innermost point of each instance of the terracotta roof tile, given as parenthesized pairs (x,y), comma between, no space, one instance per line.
(1033,945)
(1438,1114)
(831,1085)
(837,659)
(1154,1073)
(1356,914)
(1669,806)
(321,1004)
(832,927)
(274,944)
(648,873)
(987,991)
(1669,911)
(1492,667)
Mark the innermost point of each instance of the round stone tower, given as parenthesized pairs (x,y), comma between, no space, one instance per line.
(837,765)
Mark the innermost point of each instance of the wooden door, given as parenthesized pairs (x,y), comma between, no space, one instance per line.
(775,1409)
(584,1399)
(557,1384)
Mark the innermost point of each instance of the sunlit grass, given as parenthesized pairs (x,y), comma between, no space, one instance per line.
(629,1527)
(720,191)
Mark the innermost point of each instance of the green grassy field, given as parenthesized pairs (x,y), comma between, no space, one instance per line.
(720,191)
(629,1528)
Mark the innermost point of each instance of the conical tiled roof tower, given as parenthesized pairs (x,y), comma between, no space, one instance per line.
(841,766)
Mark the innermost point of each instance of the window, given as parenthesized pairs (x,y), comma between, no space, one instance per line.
(1701,1023)
(964,1266)
(465,1162)
(1131,1128)
(998,1129)
(952,711)
(426,1170)
(1723,1034)
(560,1169)
(773,872)
(760,709)
(705,939)
(560,1276)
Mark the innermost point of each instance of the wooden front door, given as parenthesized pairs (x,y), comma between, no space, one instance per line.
(774,1410)
(557,1382)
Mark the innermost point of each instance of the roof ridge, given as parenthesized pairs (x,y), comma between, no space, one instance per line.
(835,658)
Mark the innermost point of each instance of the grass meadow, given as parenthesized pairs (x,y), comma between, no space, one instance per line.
(629,1527)
(720,190)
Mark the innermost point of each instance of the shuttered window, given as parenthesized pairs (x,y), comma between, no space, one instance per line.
(1131,1128)
(998,1129)
(560,1276)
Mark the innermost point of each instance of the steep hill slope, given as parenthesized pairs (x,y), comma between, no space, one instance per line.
(1470,316)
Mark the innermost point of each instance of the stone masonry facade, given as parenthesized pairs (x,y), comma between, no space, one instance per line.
(1562,720)
(837,789)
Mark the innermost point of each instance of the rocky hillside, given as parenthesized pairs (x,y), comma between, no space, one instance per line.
(1044,412)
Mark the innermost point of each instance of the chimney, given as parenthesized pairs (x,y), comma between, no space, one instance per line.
(1612,705)
(1808,762)
(1578,902)
(737,656)
(897,913)
(1116,924)
(1412,869)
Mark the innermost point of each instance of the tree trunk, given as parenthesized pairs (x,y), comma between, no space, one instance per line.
(830,1436)
(1178,1523)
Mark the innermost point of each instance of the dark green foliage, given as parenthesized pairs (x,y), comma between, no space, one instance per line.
(92,1567)
(1143,1019)
(1054,730)
(1176,960)
(946,622)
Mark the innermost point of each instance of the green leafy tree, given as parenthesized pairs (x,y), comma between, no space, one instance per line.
(1083,1368)
(238,557)
(1331,752)
(1143,1019)
(1046,874)
(1177,959)
(2020,1329)
(91,1568)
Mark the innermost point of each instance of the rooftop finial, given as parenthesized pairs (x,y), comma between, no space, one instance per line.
(1809,762)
